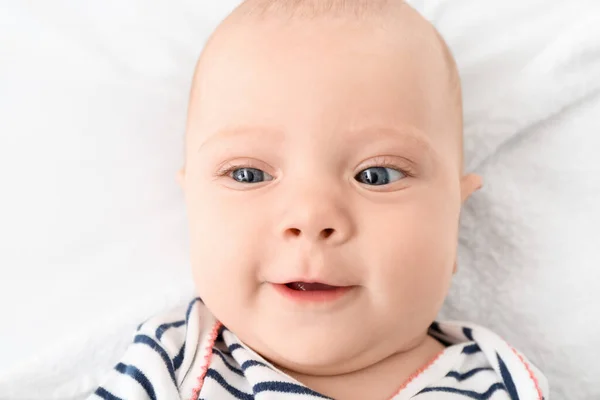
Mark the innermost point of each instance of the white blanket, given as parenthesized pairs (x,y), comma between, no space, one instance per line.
(93,237)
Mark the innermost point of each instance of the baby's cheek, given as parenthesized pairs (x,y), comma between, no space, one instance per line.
(225,242)
(416,258)
(221,266)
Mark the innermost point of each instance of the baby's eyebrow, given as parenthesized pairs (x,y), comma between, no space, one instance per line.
(392,132)
(231,133)
(408,135)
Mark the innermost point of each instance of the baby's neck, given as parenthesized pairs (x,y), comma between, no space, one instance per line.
(380,381)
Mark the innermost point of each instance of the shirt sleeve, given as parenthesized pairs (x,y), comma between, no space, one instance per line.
(153,365)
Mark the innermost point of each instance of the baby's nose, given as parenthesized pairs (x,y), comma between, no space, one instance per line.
(317,223)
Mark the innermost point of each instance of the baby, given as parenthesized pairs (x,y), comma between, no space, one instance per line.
(323,182)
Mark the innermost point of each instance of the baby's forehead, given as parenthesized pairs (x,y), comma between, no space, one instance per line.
(252,54)
(264,31)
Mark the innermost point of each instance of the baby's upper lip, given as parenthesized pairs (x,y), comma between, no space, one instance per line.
(328,282)
(329,271)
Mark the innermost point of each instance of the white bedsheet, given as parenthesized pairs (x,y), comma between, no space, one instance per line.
(92,233)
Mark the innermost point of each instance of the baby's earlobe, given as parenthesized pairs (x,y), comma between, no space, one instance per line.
(180,177)
(470,184)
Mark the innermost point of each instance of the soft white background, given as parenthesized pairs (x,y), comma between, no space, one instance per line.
(92,226)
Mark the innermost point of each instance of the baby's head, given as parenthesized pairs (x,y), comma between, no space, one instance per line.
(324,144)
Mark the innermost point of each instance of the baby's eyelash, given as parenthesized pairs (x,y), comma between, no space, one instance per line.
(383,161)
(391,162)
(228,168)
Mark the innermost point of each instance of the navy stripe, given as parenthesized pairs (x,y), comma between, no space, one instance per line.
(148,341)
(139,377)
(227,364)
(179,358)
(471,349)
(234,346)
(467,393)
(508,380)
(252,363)
(285,387)
(142,324)
(468,332)
(164,327)
(105,394)
(189,309)
(461,377)
(211,373)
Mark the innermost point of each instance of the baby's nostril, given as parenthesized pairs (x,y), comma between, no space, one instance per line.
(325,233)
(295,231)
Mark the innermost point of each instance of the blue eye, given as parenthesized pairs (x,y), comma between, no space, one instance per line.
(250,175)
(378,176)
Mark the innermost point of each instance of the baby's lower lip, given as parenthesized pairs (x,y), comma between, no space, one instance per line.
(310,292)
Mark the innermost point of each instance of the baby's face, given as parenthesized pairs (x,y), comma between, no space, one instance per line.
(324,151)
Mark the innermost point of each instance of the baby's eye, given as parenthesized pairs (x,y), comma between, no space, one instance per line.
(250,175)
(379,176)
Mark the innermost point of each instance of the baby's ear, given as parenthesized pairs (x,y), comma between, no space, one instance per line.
(469,184)
(180,178)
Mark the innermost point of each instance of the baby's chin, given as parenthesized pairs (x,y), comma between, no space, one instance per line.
(317,356)
(319,350)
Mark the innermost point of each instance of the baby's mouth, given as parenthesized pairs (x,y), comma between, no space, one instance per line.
(310,286)
(312,292)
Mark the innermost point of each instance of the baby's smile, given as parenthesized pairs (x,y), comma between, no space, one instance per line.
(311,286)
(304,292)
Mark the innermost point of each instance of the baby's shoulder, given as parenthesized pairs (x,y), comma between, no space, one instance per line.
(476,357)
(177,331)
(169,344)
(168,329)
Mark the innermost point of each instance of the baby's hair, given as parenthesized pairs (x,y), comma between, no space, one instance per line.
(311,9)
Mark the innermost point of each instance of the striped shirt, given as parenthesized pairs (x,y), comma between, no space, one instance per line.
(187,354)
